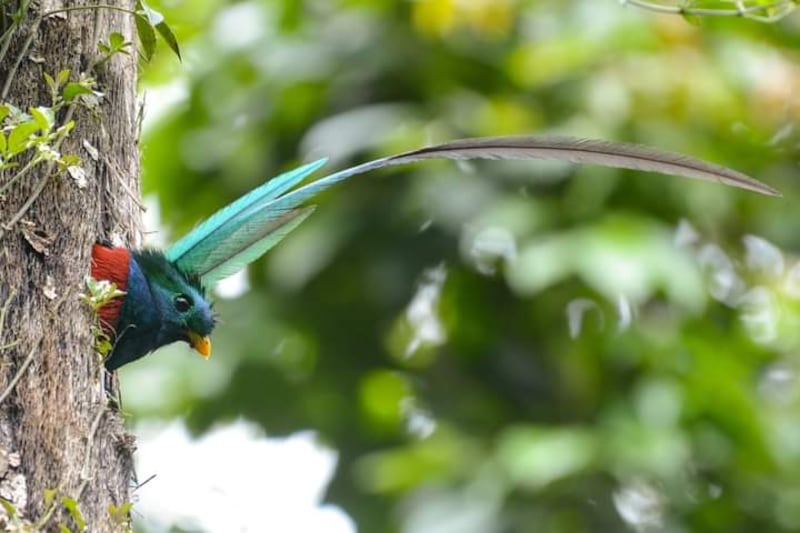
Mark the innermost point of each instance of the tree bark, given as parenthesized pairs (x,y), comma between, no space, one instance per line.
(58,431)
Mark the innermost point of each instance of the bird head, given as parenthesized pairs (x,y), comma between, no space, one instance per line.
(179,300)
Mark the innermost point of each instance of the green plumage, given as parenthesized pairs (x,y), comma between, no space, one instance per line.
(242,231)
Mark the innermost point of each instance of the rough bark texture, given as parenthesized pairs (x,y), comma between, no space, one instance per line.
(57,430)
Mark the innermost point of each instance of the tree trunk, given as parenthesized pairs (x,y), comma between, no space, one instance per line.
(58,431)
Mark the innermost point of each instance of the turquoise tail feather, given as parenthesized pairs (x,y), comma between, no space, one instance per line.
(243,231)
(251,241)
(218,238)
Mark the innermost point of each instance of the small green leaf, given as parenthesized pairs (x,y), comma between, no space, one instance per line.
(19,137)
(91,284)
(147,37)
(9,508)
(62,131)
(104,48)
(69,503)
(4,110)
(116,40)
(15,114)
(70,160)
(121,514)
(169,38)
(44,117)
(54,83)
(72,508)
(104,346)
(74,89)
(51,83)
(63,76)
(49,496)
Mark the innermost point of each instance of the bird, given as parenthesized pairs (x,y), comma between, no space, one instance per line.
(165,294)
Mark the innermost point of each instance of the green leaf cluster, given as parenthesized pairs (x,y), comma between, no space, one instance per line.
(29,139)
(99,294)
(150,22)
(35,130)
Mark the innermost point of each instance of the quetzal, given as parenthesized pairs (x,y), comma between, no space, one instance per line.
(165,296)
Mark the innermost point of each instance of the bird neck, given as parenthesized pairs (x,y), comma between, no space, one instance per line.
(138,329)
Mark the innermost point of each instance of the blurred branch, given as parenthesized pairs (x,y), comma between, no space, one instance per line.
(763,13)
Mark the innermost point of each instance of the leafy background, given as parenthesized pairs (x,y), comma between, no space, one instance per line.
(515,347)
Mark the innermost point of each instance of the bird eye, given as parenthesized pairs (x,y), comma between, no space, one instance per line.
(182,303)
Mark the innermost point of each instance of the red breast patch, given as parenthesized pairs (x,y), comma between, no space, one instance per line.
(111,264)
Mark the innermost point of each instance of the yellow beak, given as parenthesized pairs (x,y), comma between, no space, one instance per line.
(202,345)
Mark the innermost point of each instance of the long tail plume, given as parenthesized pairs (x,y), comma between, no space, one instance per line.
(247,228)
(584,151)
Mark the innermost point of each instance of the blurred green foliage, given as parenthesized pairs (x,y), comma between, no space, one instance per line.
(500,346)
